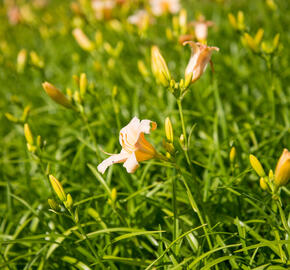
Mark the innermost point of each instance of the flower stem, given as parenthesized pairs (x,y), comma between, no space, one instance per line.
(185,148)
(86,239)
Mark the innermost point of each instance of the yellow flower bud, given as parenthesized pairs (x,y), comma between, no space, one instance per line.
(11,117)
(25,113)
(56,95)
(159,66)
(69,201)
(263,183)
(83,40)
(282,171)
(233,21)
(271,175)
(168,130)
(53,205)
(31,148)
(183,21)
(28,134)
(35,60)
(39,141)
(77,97)
(259,36)
(21,60)
(83,84)
(257,166)
(232,155)
(142,68)
(114,195)
(57,187)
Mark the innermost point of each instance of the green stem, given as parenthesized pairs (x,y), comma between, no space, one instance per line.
(174,206)
(85,120)
(185,149)
(87,239)
(196,209)
(283,217)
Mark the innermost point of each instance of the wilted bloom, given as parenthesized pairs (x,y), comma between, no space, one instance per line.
(200,28)
(200,56)
(160,7)
(83,40)
(282,171)
(159,66)
(56,95)
(135,148)
(103,8)
(141,19)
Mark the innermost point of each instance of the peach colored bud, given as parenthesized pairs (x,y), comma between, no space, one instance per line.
(21,60)
(82,39)
(282,171)
(56,95)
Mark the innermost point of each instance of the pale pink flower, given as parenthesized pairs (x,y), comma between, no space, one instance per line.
(103,8)
(200,57)
(140,18)
(160,7)
(201,28)
(135,148)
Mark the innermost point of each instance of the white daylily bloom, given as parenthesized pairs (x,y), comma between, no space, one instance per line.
(160,7)
(135,148)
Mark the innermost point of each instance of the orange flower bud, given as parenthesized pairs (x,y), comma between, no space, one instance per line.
(282,171)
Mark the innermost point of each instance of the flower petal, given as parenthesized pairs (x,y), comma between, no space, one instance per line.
(131,163)
(118,158)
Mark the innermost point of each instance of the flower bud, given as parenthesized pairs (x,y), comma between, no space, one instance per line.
(142,68)
(83,84)
(114,195)
(282,171)
(56,95)
(257,166)
(21,60)
(271,175)
(35,60)
(53,205)
(82,39)
(232,155)
(168,130)
(39,141)
(25,113)
(28,134)
(57,187)
(159,66)
(11,117)
(263,183)
(69,201)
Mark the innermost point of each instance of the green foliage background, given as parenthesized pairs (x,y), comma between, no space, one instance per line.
(232,107)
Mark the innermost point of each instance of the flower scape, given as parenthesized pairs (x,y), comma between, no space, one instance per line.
(144,134)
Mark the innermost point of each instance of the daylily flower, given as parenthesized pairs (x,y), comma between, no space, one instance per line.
(200,28)
(103,8)
(282,171)
(135,148)
(141,19)
(160,7)
(200,56)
